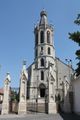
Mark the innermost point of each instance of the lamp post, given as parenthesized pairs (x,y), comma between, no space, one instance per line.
(69,61)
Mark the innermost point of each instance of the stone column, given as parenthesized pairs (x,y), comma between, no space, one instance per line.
(5,104)
(52,108)
(23,91)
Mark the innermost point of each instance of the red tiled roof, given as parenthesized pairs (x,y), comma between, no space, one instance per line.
(1,91)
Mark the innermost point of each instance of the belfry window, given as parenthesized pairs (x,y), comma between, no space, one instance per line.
(48,37)
(41,50)
(49,51)
(42,37)
(42,75)
(42,62)
(36,39)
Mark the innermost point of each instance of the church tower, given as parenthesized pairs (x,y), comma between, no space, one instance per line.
(44,46)
(47,72)
(44,53)
(42,73)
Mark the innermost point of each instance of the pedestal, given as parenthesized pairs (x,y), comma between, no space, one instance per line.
(5,108)
(52,108)
(22,108)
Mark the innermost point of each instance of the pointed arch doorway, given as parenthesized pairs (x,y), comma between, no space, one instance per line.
(42,90)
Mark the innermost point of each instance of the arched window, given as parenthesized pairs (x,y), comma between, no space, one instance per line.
(42,62)
(42,37)
(41,50)
(36,39)
(42,75)
(49,51)
(48,37)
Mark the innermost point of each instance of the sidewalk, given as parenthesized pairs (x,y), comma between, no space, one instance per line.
(31,117)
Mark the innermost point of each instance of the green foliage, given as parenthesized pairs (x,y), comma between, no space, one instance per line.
(78,69)
(14,96)
(75,36)
(78,54)
(77,21)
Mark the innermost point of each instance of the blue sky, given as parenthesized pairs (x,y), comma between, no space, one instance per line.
(17,21)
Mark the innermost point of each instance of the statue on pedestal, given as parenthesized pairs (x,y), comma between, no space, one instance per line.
(66,105)
(52,109)
(5,104)
(23,91)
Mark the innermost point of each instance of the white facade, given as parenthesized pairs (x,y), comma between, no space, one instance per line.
(76,93)
(38,71)
(62,71)
(44,54)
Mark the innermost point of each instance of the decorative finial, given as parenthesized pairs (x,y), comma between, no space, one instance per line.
(8,77)
(43,12)
(8,73)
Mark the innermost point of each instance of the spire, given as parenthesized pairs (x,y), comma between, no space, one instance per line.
(8,76)
(24,65)
(43,19)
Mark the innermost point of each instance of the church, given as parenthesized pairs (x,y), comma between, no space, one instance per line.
(46,83)
(46,65)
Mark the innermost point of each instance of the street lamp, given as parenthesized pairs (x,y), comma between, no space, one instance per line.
(69,61)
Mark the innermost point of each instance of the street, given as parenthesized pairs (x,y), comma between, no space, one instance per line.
(40,116)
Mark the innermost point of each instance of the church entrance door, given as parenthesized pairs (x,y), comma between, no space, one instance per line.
(42,90)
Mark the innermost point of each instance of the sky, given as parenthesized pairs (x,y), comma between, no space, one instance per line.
(17,21)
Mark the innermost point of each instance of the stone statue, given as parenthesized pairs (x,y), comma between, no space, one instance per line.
(23,91)
(66,104)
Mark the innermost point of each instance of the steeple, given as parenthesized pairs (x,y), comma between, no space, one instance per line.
(44,45)
(43,19)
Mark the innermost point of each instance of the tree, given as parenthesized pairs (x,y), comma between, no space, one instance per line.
(75,36)
(14,96)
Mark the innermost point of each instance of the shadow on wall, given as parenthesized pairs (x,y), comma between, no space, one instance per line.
(66,106)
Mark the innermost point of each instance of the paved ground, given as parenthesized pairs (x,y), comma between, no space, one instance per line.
(41,116)
(31,117)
